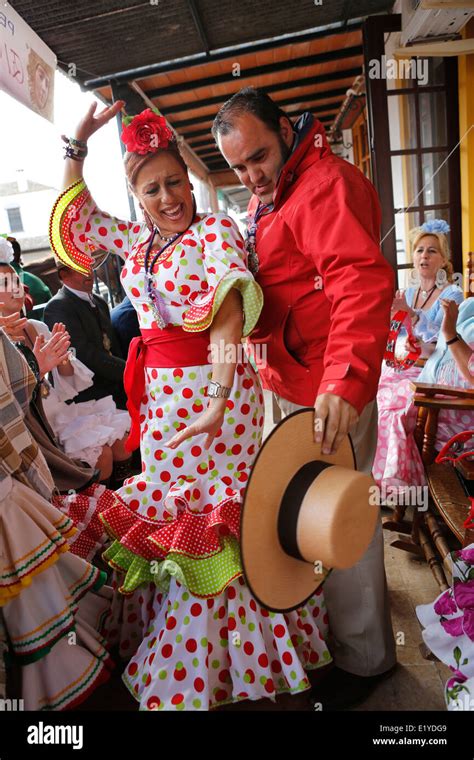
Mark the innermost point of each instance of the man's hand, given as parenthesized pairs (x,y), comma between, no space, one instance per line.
(333,419)
(13,325)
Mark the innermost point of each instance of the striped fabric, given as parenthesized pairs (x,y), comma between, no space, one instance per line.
(19,454)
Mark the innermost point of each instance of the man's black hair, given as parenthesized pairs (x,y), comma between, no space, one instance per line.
(249,100)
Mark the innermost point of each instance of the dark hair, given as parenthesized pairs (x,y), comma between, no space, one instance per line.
(16,249)
(249,100)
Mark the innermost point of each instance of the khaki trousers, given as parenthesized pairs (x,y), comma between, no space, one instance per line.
(361,637)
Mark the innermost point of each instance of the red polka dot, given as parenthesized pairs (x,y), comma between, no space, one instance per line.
(135,292)
(231,593)
(220,695)
(287,658)
(132,669)
(248,648)
(167,650)
(157,495)
(165,476)
(263,661)
(171,623)
(167,389)
(279,631)
(134,504)
(177,699)
(102,231)
(196,610)
(199,684)
(226,223)
(187,393)
(191,645)
(211,237)
(141,486)
(180,675)
(239,429)
(210,220)
(276,666)
(269,687)
(169,285)
(151,512)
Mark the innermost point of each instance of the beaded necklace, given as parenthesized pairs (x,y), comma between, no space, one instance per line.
(157,304)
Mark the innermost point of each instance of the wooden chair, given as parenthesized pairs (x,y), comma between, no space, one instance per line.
(434,533)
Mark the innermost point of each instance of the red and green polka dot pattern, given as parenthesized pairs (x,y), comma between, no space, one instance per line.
(199,654)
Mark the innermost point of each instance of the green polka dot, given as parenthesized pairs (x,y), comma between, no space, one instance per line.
(195,662)
(215,664)
(289,643)
(162,674)
(164,377)
(204,642)
(196,703)
(247,678)
(185,596)
(263,680)
(231,420)
(179,638)
(152,468)
(192,375)
(180,707)
(293,675)
(186,620)
(179,665)
(251,626)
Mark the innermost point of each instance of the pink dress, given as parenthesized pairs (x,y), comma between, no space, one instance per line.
(196,637)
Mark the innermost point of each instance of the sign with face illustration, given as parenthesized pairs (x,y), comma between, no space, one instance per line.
(27,65)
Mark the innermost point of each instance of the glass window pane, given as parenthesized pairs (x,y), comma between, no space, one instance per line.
(402,121)
(435,69)
(405,181)
(435,177)
(433,126)
(404,222)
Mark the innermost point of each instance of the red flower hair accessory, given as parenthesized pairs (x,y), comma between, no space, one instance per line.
(146,132)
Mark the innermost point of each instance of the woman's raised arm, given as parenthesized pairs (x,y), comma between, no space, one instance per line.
(73,169)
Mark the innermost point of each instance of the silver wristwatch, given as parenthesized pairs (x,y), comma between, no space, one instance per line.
(216,390)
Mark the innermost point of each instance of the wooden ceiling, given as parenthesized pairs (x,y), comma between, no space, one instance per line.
(188,56)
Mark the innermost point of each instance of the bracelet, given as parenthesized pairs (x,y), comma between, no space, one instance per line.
(75,149)
(216,390)
(452,340)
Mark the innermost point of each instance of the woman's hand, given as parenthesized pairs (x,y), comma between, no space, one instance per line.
(92,123)
(450,318)
(209,422)
(13,325)
(50,353)
(400,303)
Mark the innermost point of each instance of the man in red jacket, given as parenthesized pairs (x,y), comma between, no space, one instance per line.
(313,245)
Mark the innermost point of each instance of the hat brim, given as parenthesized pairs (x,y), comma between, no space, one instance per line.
(277,581)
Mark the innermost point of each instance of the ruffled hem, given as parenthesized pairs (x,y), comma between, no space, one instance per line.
(33,536)
(200,315)
(205,578)
(198,655)
(196,545)
(84,509)
(72,669)
(52,614)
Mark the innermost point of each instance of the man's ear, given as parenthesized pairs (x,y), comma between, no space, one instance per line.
(286,131)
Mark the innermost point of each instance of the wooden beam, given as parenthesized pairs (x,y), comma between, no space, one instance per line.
(435,49)
(197,60)
(432,4)
(226,177)
(256,71)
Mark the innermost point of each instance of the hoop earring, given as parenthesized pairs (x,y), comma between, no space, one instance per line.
(414,278)
(441,278)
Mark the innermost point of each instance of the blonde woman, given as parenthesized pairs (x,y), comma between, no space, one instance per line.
(395,466)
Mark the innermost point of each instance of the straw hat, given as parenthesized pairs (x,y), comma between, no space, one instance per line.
(304,513)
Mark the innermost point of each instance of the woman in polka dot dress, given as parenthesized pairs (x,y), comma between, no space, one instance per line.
(196,637)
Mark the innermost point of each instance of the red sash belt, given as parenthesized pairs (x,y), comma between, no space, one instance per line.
(171,347)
